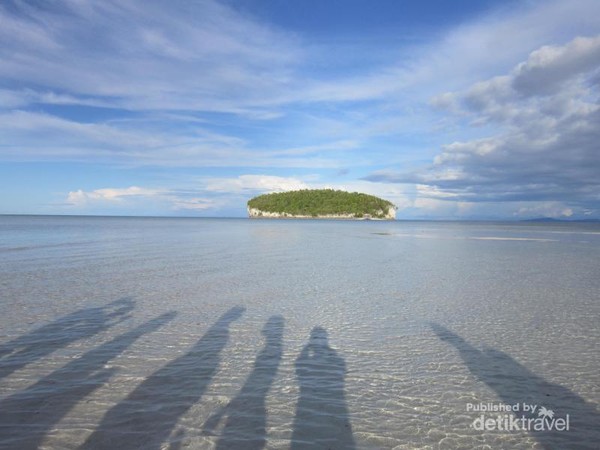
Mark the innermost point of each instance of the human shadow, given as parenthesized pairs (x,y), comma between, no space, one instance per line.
(28,415)
(42,341)
(150,412)
(322,418)
(514,383)
(246,413)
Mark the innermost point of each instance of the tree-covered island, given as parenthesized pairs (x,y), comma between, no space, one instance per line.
(321,204)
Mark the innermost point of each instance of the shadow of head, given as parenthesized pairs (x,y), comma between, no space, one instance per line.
(445,334)
(273,329)
(119,309)
(318,336)
(231,315)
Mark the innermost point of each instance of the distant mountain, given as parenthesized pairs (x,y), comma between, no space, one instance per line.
(552,219)
(544,219)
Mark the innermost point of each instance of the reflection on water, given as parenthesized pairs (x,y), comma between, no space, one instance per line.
(322,418)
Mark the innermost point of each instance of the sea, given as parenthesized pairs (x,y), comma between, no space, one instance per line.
(194,333)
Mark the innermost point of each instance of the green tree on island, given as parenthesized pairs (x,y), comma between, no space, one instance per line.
(322,202)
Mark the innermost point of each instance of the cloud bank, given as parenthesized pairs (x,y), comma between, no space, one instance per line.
(547,149)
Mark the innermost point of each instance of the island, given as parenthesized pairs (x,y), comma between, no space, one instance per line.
(320,204)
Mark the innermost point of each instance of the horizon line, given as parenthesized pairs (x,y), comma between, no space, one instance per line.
(128,216)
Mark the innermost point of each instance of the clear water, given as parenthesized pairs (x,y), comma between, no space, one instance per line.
(231,333)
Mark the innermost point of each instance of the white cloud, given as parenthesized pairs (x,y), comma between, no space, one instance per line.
(168,68)
(134,197)
(37,136)
(129,53)
(545,209)
(193,204)
(81,198)
(545,145)
(212,194)
(226,61)
(10,99)
(479,48)
(208,57)
(250,185)
(263,183)
(548,67)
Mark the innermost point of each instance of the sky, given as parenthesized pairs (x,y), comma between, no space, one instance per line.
(451,110)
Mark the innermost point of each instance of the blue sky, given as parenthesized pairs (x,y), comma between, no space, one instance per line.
(451,110)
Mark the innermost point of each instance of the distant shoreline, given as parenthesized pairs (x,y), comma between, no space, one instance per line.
(475,220)
(350,219)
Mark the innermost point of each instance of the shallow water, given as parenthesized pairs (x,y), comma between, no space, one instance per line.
(231,333)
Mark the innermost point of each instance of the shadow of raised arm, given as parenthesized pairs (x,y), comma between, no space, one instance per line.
(515,383)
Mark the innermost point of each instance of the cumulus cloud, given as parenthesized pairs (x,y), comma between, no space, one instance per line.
(547,68)
(546,115)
